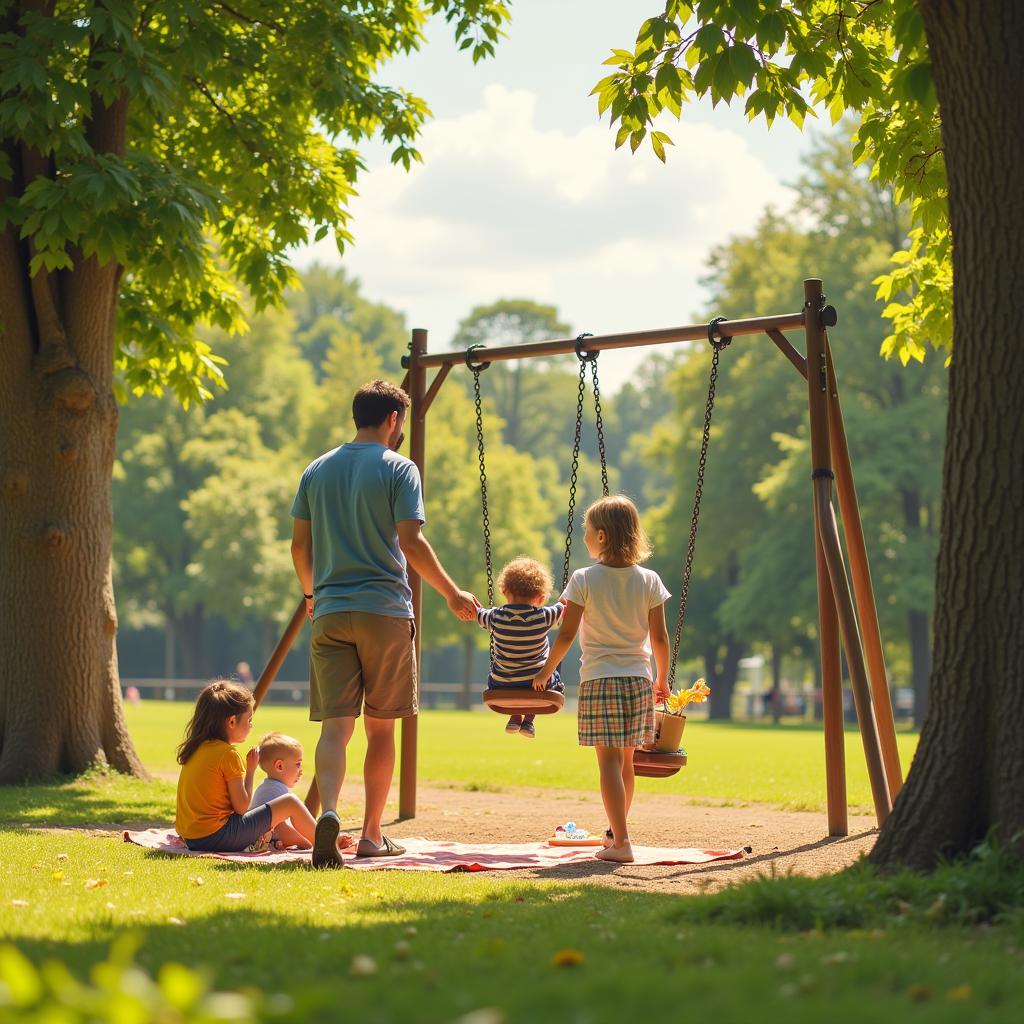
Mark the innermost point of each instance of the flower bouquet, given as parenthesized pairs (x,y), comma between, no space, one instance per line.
(669,720)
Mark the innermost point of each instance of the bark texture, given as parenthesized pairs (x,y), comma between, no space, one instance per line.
(967,780)
(60,700)
(721,668)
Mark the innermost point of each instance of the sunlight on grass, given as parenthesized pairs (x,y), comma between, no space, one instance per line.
(728,763)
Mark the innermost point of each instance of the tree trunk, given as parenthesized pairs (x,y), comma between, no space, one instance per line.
(60,697)
(169,646)
(967,780)
(468,650)
(775,697)
(721,677)
(920,663)
(191,633)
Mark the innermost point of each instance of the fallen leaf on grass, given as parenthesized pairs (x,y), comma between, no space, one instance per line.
(485,1015)
(175,920)
(95,883)
(58,876)
(784,961)
(362,966)
(19,903)
(197,881)
(62,856)
(960,994)
(568,958)
(234,895)
(919,993)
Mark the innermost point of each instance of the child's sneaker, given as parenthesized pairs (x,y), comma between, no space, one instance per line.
(514,724)
(527,731)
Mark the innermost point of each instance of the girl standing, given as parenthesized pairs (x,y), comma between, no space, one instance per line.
(618,607)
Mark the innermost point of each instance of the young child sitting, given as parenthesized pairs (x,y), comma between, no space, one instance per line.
(215,788)
(281,759)
(519,631)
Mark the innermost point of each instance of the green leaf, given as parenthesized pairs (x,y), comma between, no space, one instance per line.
(771,32)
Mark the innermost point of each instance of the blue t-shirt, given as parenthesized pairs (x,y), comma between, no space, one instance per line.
(353,496)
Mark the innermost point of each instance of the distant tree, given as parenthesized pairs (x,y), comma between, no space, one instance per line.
(527,394)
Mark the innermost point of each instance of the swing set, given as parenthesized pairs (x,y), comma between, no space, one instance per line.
(845,619)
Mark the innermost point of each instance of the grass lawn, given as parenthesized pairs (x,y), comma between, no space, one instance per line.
(728,763)
(483,949)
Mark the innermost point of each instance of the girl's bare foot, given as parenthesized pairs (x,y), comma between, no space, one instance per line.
(616,853)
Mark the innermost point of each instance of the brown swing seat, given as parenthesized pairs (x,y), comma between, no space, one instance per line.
(527,701)
(651,764)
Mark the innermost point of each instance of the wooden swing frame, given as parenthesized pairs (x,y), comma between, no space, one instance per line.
(845,619)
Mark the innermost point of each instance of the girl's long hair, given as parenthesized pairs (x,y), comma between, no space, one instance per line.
(626,538)
(217,702)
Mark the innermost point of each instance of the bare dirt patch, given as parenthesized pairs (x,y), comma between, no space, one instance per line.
(781,842)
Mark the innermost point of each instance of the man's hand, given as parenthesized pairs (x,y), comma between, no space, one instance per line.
(252,759)
(309,608)
(463,605)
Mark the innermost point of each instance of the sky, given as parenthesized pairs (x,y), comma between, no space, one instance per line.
(522,194)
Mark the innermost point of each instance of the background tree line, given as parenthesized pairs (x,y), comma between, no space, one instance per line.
(202,497)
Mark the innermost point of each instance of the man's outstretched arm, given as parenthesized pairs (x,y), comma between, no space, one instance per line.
(420,555)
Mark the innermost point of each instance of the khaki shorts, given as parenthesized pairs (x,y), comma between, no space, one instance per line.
(357,660)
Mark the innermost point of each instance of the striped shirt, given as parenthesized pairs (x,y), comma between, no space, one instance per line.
(520,639)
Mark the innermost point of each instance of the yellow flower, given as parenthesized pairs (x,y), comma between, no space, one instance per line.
(567,958)
(696,694)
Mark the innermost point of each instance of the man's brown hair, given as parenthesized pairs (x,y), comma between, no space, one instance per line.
(375,402)
(275,745)
(525,577)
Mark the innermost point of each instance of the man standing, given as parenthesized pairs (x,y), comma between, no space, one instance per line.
(356,524)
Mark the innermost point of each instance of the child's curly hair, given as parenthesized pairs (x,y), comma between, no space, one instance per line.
(525,577)
(626,539)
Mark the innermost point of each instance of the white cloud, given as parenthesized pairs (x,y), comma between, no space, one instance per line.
(503,208)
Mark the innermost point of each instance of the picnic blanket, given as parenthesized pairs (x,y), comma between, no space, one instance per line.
(430,855)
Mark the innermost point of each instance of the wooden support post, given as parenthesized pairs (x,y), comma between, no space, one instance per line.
(863,591)
(417,452)
(831,699)
(828,537)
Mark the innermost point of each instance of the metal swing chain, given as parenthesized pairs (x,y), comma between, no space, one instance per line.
(575,469)
(600,424)
(477,370)
(684,589)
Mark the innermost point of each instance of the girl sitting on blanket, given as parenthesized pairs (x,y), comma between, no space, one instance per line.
(214,788)
(621,608)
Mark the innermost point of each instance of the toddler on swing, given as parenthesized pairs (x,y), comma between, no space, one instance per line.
(621,609)
(519,633)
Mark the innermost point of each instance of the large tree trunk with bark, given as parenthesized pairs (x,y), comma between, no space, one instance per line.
(60,698)
(967,780)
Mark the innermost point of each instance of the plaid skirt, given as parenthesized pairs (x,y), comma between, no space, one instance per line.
(616,712)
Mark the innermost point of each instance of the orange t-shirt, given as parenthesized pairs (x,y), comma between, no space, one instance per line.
(204,803)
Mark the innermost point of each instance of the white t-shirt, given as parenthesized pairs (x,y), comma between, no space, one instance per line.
(269,789)
(614,632)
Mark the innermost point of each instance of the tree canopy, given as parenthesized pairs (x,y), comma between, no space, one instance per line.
(794,58)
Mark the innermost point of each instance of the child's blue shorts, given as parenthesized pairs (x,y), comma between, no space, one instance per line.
(554,683)
(238,832)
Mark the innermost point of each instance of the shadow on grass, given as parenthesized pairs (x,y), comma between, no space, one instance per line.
(100,801)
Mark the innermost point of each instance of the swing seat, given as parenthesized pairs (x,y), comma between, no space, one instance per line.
(526,701)
(653,765)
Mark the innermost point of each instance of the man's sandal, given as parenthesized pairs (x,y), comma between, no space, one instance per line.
(387,848)
(325,842)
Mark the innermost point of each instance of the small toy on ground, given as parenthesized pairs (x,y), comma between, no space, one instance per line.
(570,834)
